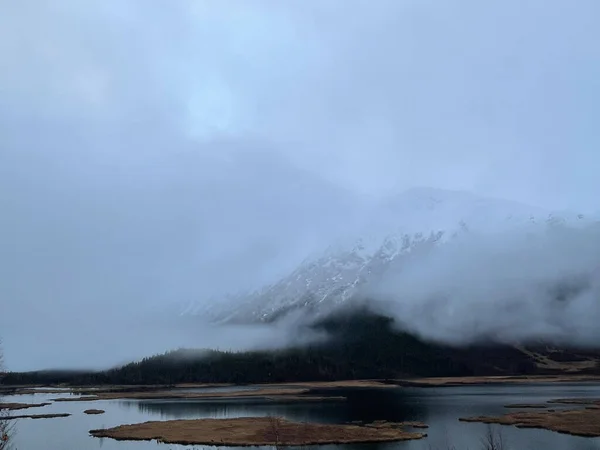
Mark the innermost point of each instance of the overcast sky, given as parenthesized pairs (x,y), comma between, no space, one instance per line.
(155,151)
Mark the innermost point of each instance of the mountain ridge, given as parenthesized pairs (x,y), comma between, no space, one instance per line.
(396,230)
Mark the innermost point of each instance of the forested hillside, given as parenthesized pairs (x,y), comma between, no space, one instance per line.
(362,345)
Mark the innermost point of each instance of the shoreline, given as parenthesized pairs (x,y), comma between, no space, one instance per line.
(286,392)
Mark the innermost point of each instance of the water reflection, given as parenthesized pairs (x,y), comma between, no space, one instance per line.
(363,405)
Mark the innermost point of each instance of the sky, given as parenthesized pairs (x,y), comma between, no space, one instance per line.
(153,152)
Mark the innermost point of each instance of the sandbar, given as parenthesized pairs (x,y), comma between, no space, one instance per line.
(36,416)
(17,406)
(578,422)
(250,431)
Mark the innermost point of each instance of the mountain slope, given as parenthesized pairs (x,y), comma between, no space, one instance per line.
(397,230)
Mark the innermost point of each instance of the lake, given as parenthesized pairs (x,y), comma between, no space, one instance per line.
(438,407)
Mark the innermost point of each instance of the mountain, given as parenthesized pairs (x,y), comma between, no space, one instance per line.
(396,230)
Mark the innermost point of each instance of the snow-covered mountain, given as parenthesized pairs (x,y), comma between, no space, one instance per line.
(395,231)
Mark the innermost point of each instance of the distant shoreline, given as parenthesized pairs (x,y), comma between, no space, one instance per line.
(289,390)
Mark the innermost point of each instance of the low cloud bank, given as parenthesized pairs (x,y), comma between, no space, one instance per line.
(114,339)
(520,286)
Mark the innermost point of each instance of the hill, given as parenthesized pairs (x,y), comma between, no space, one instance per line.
(362,345)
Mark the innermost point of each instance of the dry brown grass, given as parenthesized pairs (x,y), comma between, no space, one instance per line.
(291,394)
(108,388)
(525,406)
(255,431)
(275,392)
(88,398)
(338,384)
(17,406)
(386,424)
(416,425)
(576,401)
(578,422)
(30,391)
(94,411)
(122,390)
(517,379)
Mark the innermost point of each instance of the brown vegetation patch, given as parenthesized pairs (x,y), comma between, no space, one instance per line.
(517,379)
(526,406)
(17,406)
(36,416)
(248,431)
(386,424)
(339,384)
(266,393)
(90,398)
(300,392)
(93,390)
(578,422)
(416,425)
(576,401)
(94,411)
(203,385)
(30,391)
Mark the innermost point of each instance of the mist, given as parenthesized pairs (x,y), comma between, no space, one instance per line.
(154,153)
(516,287)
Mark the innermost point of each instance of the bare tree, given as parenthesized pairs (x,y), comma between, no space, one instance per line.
(6,431)
(493,439)
(6,427)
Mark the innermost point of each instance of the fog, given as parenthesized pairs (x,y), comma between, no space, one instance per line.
(512,287)
(158,152)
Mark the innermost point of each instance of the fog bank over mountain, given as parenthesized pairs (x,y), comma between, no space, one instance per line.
(511,287)
(425,246)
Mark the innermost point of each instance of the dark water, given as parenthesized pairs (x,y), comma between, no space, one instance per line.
(438,407)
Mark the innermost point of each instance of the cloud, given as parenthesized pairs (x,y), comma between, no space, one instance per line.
(156,151)
(517,286)
(470,96)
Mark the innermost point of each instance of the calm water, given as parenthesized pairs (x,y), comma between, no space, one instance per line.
(438,407)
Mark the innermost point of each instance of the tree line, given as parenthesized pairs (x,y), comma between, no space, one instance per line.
(361,346)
